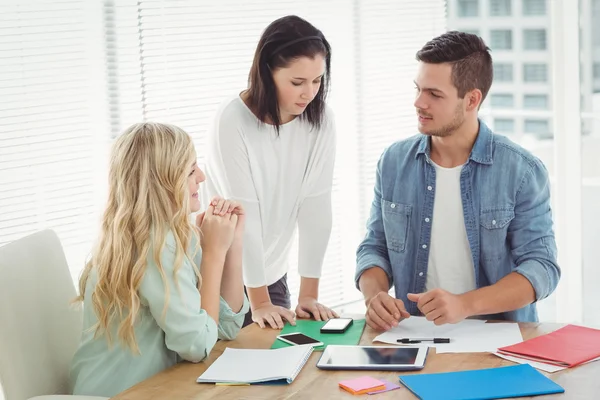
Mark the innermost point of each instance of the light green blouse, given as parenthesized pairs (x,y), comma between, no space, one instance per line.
(187,332)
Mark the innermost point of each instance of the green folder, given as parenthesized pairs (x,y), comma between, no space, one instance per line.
(312,328)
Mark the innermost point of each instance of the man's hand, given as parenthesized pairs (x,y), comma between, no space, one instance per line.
(440,306)
(384,312)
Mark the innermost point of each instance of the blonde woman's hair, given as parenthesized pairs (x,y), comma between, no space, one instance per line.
(148,197)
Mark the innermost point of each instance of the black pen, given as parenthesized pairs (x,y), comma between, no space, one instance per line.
(434,340)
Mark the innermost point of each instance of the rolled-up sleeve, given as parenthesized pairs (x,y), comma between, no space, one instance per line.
(231,322)
(372,252)
(531,233)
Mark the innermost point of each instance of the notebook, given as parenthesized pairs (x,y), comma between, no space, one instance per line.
(254,366)
(312,328)
(494,383)
(567,347)
(362,385)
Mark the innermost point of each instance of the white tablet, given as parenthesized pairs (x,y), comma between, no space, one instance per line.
(378,358)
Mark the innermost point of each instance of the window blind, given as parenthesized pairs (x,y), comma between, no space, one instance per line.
(47,140)
(194,55)
(175,61)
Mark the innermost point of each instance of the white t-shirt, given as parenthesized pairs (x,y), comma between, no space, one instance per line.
(281,181)
(450,263)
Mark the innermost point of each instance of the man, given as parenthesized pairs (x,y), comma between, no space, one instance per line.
(460,223)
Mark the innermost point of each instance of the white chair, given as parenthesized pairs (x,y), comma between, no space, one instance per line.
(39,328)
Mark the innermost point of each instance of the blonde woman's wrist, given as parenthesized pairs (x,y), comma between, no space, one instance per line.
(216,256)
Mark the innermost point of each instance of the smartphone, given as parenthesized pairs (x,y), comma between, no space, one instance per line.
(337,325)
(299,339)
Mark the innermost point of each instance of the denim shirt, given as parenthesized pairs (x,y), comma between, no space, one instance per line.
(506,206)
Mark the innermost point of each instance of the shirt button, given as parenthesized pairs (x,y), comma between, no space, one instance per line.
(420,274)
(393,205)
(424,246)
(493,222)
(426,219)
(429,188)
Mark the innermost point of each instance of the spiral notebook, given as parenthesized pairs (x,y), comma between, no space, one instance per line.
(257,366)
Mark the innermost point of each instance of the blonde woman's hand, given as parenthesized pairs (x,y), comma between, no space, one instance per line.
(217,230)
(272,315)
(223,206)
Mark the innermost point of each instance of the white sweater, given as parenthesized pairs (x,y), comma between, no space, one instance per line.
(281,181)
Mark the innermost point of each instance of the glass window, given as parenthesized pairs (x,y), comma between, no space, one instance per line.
(535,101)
(595,21)
(534,39)
(502,100)
(471,31)
(597,70)
(535,73)
(500,8)
(468,8)
(539,127)
(501,39)
(534,7)
(503,72)
(504,125)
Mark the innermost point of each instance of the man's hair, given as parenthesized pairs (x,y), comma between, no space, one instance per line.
(470,59)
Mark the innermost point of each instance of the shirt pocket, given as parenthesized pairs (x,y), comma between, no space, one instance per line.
(493,233)
(396,224)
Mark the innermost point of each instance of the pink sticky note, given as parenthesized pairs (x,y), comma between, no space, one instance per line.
(361,384)
(388,386)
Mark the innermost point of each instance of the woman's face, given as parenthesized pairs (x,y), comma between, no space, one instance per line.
(195,177)
(297,85)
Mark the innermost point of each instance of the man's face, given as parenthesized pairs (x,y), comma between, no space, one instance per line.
(439,109)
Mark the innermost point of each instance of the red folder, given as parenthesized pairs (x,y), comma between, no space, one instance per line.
(567,347)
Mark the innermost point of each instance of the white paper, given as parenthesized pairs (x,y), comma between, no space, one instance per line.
(468,336)
(536,364)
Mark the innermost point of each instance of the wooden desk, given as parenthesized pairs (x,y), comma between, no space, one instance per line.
(179,382)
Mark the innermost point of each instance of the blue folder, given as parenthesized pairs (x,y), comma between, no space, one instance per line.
(483,384)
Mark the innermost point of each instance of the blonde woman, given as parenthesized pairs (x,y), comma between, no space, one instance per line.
(141,290)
